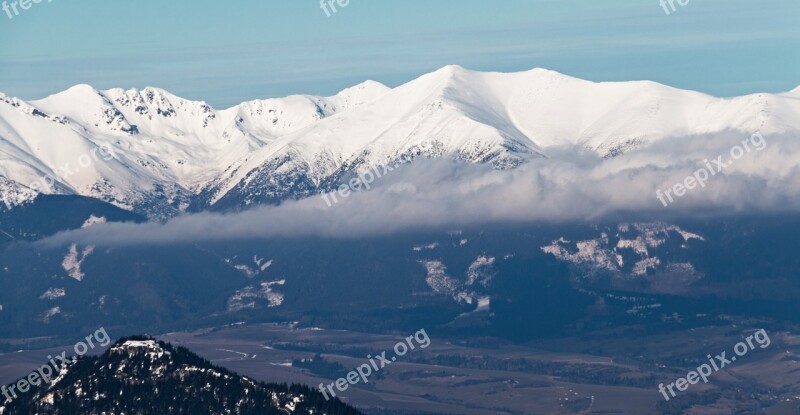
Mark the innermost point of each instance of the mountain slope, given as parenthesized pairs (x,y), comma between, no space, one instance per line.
(147,150)
(144,376)
(158,154)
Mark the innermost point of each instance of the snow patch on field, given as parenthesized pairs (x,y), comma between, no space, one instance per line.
(480,272)
(639,240)
(94,220)
(47,315)
(74,259)
(247,297)
(53,293)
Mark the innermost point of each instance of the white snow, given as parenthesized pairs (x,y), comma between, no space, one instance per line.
(639,238)
(262,265)
(53,293)
(590,251)
(430,246)
(73,261)
(443,284)
(480,271)
(160,141)
(149,344)
(246,270)
(245,298)
(483,303)
(93,220)
(251,270)
(152,348)
(438,279)
(641,267)
(45,317)
(154,137)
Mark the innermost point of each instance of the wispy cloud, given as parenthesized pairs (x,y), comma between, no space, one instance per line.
(446,194)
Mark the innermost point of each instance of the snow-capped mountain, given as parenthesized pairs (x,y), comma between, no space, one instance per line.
(155,153)
(143,150)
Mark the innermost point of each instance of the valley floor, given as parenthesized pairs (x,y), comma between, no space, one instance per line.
(613,372)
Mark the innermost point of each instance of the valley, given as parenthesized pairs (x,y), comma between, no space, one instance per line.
(612,371)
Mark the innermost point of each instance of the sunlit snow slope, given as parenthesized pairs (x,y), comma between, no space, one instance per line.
(166,154)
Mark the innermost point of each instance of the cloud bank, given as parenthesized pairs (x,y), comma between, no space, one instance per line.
(563,187)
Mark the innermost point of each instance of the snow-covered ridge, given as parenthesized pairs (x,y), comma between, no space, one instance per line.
(171,154)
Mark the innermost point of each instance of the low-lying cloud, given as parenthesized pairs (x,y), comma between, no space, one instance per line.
(564,187)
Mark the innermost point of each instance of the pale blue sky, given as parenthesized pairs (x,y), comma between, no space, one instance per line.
(225,52)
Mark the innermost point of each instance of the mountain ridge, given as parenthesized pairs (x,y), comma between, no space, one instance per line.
(140,375)
(171,154)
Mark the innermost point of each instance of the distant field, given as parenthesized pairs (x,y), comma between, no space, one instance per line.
(602,374)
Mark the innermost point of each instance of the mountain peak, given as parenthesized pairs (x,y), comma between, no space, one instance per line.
(76,94)
(453,68)
(359,94)
(82,89)
(160,93)
(549,73)
(300,145)
(144,375)
(149,347)
(451,72)
(367,88)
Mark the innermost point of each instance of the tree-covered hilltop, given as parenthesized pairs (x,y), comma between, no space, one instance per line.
(140,375)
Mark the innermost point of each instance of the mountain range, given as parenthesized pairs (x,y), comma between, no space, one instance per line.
(538,219)
(158,155)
